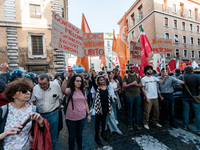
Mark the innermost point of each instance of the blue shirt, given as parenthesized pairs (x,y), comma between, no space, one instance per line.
(168,86)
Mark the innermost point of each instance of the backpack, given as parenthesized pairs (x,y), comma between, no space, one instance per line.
(70,98)
(135,76)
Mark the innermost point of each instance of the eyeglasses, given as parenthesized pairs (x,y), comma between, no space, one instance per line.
(78,80)
(43,84)
(25,90)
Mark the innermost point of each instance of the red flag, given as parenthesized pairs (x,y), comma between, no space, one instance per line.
(171,66)
(190,64)
(145,48)
(158,67)
(182,65)
(84,61)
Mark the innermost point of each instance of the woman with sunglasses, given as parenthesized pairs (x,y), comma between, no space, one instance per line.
(76,109)
(14,133)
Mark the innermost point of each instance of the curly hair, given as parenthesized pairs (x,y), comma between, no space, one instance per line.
(16,86)
(147,68)
(72,80)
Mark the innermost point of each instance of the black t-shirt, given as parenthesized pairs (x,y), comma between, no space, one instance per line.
(193,83)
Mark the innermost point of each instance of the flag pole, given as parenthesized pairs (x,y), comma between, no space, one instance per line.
(164,62)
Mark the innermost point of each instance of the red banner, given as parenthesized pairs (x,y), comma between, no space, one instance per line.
(171,66)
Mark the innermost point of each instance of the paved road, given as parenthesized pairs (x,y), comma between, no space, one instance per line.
(165,138)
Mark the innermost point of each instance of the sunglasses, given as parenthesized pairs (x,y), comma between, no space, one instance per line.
(131,68)
(25,90)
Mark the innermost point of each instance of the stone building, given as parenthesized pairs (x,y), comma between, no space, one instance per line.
(25,35)
(178,20)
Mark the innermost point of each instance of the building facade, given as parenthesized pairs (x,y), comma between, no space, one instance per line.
(25,27)
(177,20)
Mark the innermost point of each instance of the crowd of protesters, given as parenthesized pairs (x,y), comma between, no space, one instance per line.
(31,105)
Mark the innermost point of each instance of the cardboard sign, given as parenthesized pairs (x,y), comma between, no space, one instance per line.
(93,44)
(66,37)
(135,53)
(162,46)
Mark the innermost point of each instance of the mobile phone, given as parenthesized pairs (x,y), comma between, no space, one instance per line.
(24,124)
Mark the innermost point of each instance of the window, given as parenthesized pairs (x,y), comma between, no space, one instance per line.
(176,38)
(175,24)
(37,45)
(35,11)
(109,65)
(183,25)
(198,41)
(127,24)
(198,54)
(165,6)
(168,55)
(197,29)
(184,40)
(196,14)
(132,20)
(174,8)
(166,22)
(140,15)
(191,40)
(191,27)
(182,14)
(133,34)
(192,54)
(127,39)
(92,65)
(140,28)
(108,43)
(177,53)
(108,49)
(185,53)
(166,35)
(190,13)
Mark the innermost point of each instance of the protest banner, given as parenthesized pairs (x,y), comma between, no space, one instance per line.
(66,37)
(135,53)
(162,46)
(93,44)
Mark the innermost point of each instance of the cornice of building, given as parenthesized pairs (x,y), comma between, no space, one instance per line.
(19,25)
(137,1)
(164,13)
(129,10)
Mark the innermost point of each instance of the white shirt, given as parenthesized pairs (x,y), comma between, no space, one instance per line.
(150,85)
(114,84)
(47,101)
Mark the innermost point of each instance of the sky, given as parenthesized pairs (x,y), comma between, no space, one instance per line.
(101,15)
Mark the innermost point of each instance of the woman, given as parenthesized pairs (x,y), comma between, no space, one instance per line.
(116,87)
(102,107)
(76,108)
(12,133)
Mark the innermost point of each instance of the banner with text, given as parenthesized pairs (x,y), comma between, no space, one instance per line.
(93,44)
(162,46)
(66,37)
(135,53)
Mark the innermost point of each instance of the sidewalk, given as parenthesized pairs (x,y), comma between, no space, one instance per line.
(154,139)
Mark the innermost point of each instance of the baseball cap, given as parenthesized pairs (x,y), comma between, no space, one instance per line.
(70,69)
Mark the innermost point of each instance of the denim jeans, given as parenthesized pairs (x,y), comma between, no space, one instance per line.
(186,111)
(133,101)
(114,108)
(75,129)
(53,119)
(167,107)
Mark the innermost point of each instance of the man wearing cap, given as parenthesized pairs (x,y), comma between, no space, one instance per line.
(193,83)
(70,71)
(167,97)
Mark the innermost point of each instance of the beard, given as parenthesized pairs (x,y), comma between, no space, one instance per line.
(131,71)
(149,73)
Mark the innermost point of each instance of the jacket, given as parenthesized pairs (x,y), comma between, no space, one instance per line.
(42,140)
(3,81)
(3,123)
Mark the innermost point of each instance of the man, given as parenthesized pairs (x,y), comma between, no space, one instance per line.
(131,83)
(57,79)
(105,69)
(167,97)
(48,98)
(193,83)
(117,76)
(155,73)
(150,92)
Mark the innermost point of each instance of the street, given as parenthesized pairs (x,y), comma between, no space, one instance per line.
(166,138)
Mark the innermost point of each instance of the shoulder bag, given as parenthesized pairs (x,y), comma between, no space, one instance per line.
(196,98)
